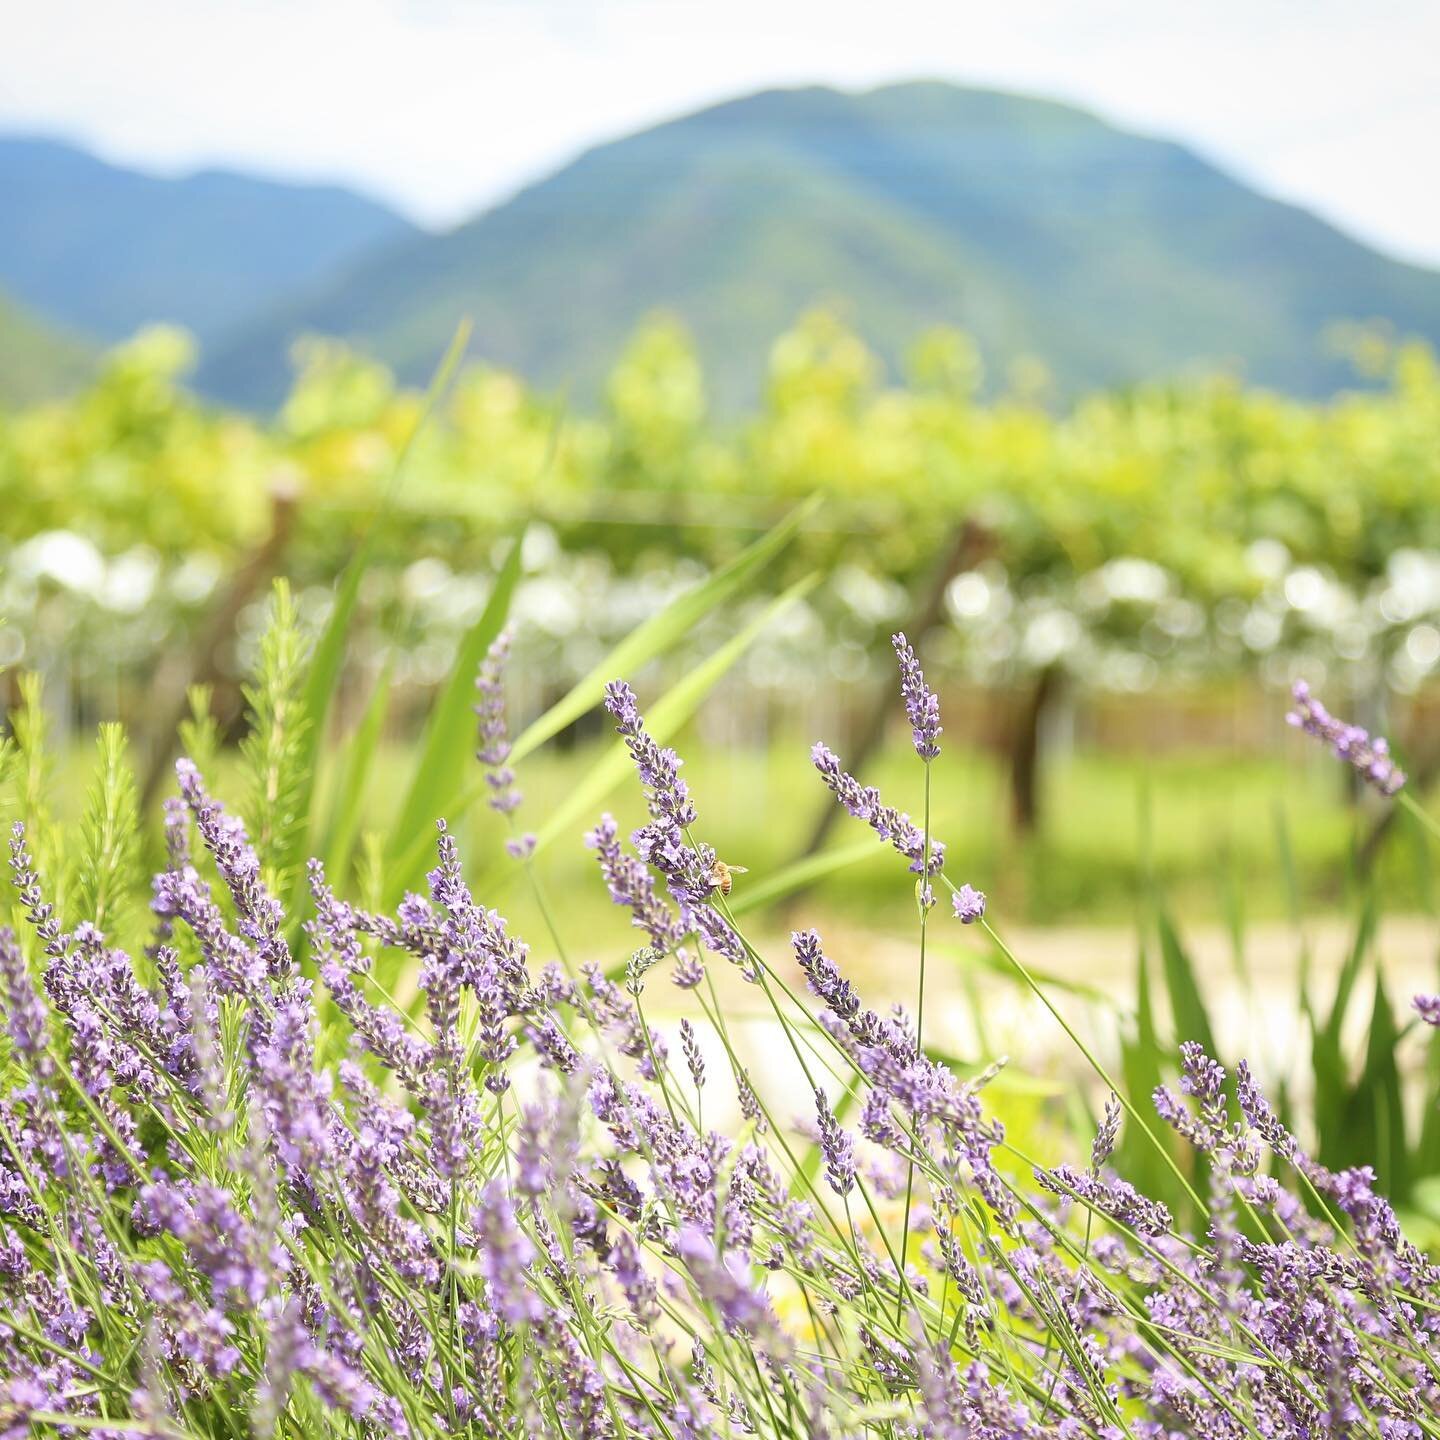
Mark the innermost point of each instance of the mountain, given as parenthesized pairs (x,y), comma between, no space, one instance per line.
(1039,228)
(102,250)
(36,361)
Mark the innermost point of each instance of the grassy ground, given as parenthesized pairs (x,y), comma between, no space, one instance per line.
(1212,827)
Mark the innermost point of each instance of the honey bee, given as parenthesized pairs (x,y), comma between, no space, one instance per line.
(721,875)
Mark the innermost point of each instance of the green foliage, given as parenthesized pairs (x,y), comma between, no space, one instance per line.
(38,362)
(1187,1006)
(199,734)
(440,761)
(1160,534)
(109,868)
(1361,1093)
(274,749)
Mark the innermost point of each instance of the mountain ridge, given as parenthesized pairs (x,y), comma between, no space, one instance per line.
(205,250)
(1043,229)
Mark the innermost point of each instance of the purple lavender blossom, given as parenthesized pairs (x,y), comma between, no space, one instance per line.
(837,1146)
(922,705)
(38,910)
(969,904)
(864,803)
(261,919)
(1116,1198)
(631,884)
(822,975)
(689,971)
(1202,1079)
(694,1059)
(1370,757)
(25,1010)
(505,1256)
(1429,1008)
(689,869)
(494,747)
(657,766)
(1106,1135)
(720,1281)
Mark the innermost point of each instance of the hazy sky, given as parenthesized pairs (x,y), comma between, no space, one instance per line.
(444,105)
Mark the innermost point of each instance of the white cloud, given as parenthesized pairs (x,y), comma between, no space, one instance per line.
(444,105)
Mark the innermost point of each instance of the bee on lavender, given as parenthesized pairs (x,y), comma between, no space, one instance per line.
(722,876)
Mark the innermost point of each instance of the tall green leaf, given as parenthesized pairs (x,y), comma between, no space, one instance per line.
(1141,1066)
(328,657)
(664,630)
(660,633)
(109,836)
(446,746)
(1382,1133)
(1192,1022)
(345,813)
(1327,1058)
(665,717)
(801,873)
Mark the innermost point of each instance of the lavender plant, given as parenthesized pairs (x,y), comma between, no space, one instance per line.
(501,1212)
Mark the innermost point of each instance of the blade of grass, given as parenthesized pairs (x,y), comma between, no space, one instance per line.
(663,631)
(666,717)
(1382,1128)
(1192,1022)
(801,874)
(344,824)
(445,748)
(328,657)
(1327,1058)
(1141,1066)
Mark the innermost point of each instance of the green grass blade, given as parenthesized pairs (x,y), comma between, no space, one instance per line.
(801,874)
(1350,971)
(446,746)
(992,961)
(1332,1090)
(1192,1022)
(1142,1071)
(328,657)
(663,631)
(1383,1128)
(665,717)
(345,813)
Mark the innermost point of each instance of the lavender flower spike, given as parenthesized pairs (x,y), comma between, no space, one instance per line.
(26,1017)
(922,705)
(837,1146)
(1352,744)
(864,803)
(1429,1008)
(494,748)
(969,904)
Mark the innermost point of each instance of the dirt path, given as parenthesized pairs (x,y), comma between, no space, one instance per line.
(974,1006)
